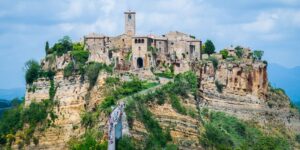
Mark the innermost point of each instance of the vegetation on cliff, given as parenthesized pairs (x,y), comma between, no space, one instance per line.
(226,132)
(25,120)
(137,108)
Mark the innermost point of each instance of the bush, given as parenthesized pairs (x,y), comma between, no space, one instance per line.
(298,138)
(32,68)
(226,132)
(93,72)
(89,141)
(63,46)
(219,86)
(209,47)
(166,74)
(215,62)
(52,90)
(239,51)
(88,119)
(215,137)
(125,143)
(36,114)
(268,143)
(172,147)
(80,56)
(157,136)
(224,53)
(68,70)
(175,102)
(257,54)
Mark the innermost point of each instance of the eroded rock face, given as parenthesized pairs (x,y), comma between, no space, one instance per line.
(56,63)
(73,96)
(237,78)
(183,128)
(246,94)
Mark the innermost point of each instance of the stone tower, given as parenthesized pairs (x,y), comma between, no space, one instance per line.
(130,23)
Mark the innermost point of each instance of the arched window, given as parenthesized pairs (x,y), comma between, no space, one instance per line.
(129,16)
(142,40)
(139,40)
(135,41)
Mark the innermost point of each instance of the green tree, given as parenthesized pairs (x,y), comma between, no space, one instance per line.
(63,46)
(209,47)
(47,49)
(257,54)
(32,68)
(239,51)
(224,53)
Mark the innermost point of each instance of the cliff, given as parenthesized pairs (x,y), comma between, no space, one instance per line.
(171,113)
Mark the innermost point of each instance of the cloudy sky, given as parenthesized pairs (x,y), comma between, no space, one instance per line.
(25,25)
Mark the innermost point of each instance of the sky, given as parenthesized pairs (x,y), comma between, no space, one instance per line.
(25,25)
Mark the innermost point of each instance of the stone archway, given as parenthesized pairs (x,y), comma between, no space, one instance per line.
(140,63)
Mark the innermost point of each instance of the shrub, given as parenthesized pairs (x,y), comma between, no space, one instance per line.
(266,142)
(239,51)
(257,54)
(226,132)
(52,90)
(166,74)
(298,138)
(219,86)
(112,81)
(125,143)
(47,49)
(209,47)
(35,114)
(175,102)
(171,147)
(215,137)
(77,47)
(93,72)
(68,70)
(157,136)
(224,53)
(215,62)
(63,46)
(88,119)
(89,141)
(80,56)
(32,68)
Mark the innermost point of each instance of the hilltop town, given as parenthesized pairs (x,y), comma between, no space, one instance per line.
(169,91)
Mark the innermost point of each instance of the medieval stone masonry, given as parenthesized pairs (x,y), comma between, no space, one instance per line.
(131,52)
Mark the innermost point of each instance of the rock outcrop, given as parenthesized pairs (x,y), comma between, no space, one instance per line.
(245,93)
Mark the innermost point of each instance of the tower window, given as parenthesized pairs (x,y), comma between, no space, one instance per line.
(129,16)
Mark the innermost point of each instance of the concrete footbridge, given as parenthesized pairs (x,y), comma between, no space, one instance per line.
(118,125)
(117,122)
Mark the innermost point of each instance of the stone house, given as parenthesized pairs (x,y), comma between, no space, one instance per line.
(133,52)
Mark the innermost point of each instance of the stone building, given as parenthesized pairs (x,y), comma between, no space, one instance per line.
(133,52)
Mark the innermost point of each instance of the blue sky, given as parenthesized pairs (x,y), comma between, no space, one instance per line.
(25,25)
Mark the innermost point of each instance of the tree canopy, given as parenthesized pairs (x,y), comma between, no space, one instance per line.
(257,54)
(32,68)
(209,47)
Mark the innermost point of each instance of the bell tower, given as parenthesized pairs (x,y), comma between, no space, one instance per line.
(130,23)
